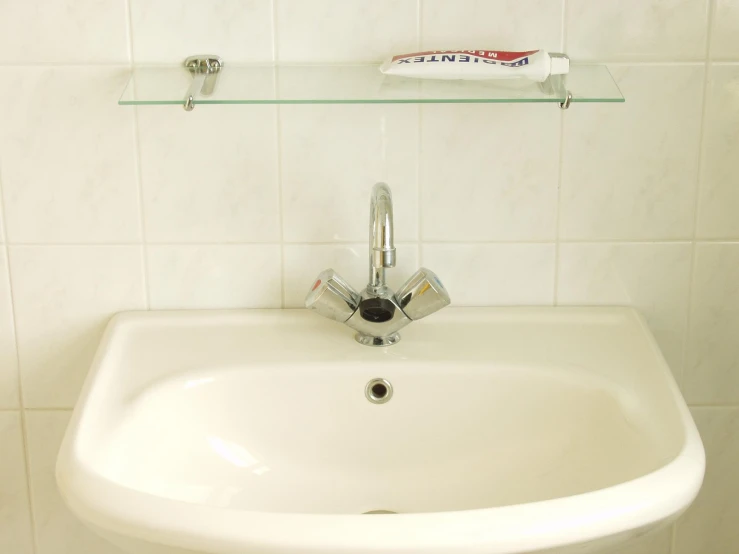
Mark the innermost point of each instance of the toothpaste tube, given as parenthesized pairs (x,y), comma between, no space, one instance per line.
(535,65)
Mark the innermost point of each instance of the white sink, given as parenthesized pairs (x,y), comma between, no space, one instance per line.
(509,430)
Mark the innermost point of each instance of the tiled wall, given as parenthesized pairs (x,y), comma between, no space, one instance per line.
(108,208)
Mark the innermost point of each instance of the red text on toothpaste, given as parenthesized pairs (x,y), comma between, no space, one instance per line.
(510,59)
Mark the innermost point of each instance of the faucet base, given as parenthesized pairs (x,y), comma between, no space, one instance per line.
(369,340)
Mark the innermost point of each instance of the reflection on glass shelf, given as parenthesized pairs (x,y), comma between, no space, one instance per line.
(355,84)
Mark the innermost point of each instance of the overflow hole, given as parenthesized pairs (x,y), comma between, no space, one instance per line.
(378,391)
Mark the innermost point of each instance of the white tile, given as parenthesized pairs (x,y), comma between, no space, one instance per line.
(710,524)
(221,276)
(64,296)
(15,513)
(345,30)
(489,172)
(2,209)
(652,277)
(167,31)
(630,170)
(69,162)
(725,35)
(493,274)
(57,530)
(331,158)
(718,201)
(712,365)
(303,262)
(210,175)
(9,397)
(637,29)
(492,24)
(69,31)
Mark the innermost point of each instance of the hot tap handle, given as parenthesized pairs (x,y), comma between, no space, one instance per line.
(332,297)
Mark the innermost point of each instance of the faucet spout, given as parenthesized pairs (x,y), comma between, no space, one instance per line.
(382,243)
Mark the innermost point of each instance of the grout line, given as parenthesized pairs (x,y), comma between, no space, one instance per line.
(27,409)
(696,199)
(558,209)
(129,32)
(566,241)
(716,241)
(723,61)
(558,206)
(143,245)
(419,146)
(5,248)
(419,185)
(121,63)
(273,3)
(278,161)
(6,410)
(636,62)
(586,61)
(280,204)
(16,245)
(563,42)
(21,402)
(144,251)
(49,409)
(129,244)
(419,23)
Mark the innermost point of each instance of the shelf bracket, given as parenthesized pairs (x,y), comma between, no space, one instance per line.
(204,70)
(568,100)
(555,85)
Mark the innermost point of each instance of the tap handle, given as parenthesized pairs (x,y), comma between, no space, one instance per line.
(332,297)
(422,294)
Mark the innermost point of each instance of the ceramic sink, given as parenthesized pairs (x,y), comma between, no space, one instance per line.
(492,431)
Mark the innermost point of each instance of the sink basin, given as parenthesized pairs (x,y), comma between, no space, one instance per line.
(498,431)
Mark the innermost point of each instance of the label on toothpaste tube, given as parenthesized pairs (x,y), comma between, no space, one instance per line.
(509,59)
(536,65)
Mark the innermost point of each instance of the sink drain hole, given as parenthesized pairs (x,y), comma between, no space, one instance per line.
(378,512)
(378,391)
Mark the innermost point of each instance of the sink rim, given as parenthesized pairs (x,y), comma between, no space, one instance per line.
(546,523)
(647,499)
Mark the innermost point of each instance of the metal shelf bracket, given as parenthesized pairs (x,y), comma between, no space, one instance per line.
(204,69)
(568,100)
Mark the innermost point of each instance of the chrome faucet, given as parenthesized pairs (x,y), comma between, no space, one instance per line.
(382,243)
(377,314)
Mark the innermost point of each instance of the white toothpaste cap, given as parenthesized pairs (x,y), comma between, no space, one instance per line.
(560,64)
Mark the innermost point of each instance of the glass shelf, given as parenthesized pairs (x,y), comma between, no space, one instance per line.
(354,84)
